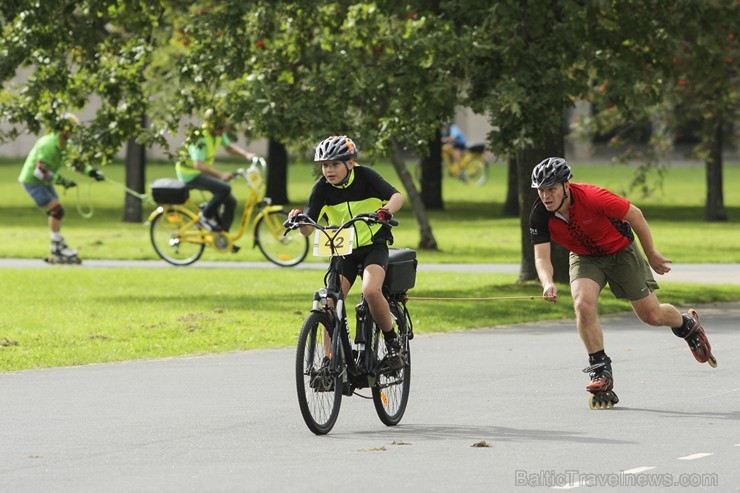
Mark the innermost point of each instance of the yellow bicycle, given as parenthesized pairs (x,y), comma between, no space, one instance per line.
(178,236)
(472,168)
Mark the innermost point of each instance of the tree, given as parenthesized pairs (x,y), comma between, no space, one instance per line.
(431,174)
(374,70)
(384,71)
(523,75)
(706,86)
(532,60)
(686,71)
(371,69)
(76,51)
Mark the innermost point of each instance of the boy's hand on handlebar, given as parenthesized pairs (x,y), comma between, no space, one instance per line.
(293,216)
(384,214)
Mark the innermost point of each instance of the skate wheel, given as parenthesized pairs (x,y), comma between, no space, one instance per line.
(591,401)
(604,400)
(712,361)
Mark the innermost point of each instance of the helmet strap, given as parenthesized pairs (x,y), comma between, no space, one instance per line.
(346,178)
(565,196)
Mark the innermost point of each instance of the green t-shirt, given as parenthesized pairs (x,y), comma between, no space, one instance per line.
(47,150)
(203,150)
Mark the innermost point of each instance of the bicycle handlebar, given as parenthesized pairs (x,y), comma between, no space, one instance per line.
(303,220)
(254,172)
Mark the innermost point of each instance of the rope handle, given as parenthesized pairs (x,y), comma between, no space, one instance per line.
(141,196)
(499,298)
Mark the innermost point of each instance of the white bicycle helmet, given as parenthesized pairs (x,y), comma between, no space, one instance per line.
(335,148)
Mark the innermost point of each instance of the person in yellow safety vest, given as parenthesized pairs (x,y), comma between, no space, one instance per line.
(199,173)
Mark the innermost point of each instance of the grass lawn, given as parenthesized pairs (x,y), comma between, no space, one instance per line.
(68,316)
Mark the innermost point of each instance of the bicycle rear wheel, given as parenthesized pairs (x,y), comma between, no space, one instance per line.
(476,170)
(285,250)
(391,391)
(319,390)
(165,233)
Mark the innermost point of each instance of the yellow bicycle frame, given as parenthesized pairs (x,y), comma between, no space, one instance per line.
(220,240)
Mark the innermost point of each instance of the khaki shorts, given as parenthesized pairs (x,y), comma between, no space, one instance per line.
(627,272)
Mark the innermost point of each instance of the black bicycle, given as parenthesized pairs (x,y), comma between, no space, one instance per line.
(328,364)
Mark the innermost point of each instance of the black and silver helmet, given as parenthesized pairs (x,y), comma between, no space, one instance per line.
(335,148)
(551,171)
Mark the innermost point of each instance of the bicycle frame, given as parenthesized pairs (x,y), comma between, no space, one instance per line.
(472,166)
(328,366)
(448,158)
(255,198)
(331,299)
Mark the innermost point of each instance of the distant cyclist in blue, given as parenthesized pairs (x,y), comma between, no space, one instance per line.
(453,141)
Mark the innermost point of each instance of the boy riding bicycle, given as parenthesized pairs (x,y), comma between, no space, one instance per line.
(345,190)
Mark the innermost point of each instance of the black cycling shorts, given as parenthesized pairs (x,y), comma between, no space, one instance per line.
(352,264)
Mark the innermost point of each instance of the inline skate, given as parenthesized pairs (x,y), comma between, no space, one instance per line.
(693,332)
(61,253)
(601,386)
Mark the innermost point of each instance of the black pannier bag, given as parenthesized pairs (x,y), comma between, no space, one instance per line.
(169,191)
(401,274)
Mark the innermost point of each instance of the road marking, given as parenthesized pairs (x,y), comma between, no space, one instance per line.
(694,456)
(638,470)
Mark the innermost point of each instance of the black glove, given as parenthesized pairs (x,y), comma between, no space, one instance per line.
(384,214)
(68,183)
(95,173)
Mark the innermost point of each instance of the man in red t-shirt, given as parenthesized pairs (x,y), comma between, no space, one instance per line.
(599,228)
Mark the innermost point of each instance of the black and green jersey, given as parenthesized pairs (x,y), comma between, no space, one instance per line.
(365,192)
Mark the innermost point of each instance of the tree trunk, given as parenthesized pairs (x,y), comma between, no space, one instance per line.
(715,210)
(431,175)
(527,159)
(277,172)
(511,206)
(426,237)
(135,178)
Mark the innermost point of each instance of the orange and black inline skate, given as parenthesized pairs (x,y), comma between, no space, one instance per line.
(601,386)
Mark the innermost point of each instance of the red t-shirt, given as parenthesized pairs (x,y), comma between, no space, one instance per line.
(595,226)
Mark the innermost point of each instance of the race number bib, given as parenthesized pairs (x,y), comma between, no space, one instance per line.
(343,242)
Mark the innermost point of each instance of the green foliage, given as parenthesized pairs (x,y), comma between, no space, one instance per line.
(687,71)
(78,50)
(382,71)
(293,71)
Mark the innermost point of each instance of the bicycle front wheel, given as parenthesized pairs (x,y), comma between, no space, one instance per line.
(285,250)
(391,391)
(476,170)
(169,239)
(319,389)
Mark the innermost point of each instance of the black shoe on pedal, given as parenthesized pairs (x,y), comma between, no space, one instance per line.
(209,224)
(394,353)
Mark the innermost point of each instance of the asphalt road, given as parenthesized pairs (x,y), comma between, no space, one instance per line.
(230,422)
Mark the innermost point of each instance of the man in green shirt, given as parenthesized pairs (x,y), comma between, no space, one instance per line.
(200,174)
(40,173)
